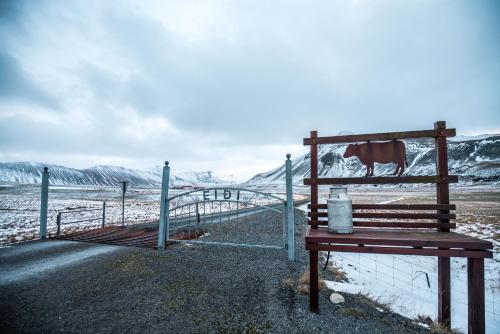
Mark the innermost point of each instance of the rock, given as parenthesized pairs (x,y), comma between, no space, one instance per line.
(336,298)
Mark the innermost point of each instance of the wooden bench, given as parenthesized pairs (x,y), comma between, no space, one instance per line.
(402,229)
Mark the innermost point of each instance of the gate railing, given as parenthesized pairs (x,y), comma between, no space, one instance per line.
(183,210)
(224,222)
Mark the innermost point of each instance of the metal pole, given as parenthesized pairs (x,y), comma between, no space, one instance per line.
(123,209)
(285,225)
(58,224)
(197,216)
(163,228)
(44,203)
(124,190)
(290,216)
(103,213)
(189,221)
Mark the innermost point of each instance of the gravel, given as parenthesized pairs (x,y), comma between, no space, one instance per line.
(187,289)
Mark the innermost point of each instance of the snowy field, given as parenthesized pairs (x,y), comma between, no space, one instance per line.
(20,206)
(400,281)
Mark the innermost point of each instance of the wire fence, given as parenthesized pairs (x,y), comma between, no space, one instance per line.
(416,277)
(85,215)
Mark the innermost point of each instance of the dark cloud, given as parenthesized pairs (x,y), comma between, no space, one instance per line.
(10,11)
(225,80)
(15,84)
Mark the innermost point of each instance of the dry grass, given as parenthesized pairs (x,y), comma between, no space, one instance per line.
(303,283)
(436,327)
(375,302)
(338,274)
(352,312)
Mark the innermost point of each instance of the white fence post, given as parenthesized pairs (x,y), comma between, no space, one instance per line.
(290,215)
(44,203)
(163,228)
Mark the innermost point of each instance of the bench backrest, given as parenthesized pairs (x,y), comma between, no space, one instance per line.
(389,215)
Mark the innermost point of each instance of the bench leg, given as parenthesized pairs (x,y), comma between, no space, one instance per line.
(313,281)
(475,289)
(444,291)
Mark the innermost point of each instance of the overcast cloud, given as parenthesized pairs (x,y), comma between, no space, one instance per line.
(233,86)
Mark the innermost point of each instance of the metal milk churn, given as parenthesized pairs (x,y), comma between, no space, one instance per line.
(339,211)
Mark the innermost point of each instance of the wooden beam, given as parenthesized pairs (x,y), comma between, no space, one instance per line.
(380,136)
(313,281)
(380,180)
(400,250)
(475,292)
(408,238)
(314,170)
(443,197)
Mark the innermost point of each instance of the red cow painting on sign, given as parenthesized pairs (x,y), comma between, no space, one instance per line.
(382,152)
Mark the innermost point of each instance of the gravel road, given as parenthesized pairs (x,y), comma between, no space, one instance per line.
(186,289)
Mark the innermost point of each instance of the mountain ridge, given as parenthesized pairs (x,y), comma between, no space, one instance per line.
(475,159)
(100,175)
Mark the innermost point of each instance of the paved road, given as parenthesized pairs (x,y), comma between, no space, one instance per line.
(35,260)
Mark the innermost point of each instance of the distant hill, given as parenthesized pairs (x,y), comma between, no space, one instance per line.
(475,159)
(31,173)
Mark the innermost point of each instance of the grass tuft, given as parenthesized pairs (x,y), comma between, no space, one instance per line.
(303,283)
(352,312)
(338,274)
(435,327)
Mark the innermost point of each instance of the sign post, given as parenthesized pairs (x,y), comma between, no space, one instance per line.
(163,228)
(124,190)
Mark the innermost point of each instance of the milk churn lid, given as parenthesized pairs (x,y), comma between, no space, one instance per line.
(338,190)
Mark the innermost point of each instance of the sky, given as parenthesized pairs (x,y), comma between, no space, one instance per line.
(232,86)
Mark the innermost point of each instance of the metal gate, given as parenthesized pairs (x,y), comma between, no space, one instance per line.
(228,216)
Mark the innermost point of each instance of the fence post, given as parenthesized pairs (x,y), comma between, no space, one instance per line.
(163,228)
(44,203)
(197,217)
(58,224)
(285,225)
(124,190)
(290,217)
(103,213)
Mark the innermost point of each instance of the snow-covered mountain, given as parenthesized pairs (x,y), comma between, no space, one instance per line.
(31,173)
(474,159)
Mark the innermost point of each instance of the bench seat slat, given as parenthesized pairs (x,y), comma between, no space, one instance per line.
(391,224)
(410,238)
(391,215)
